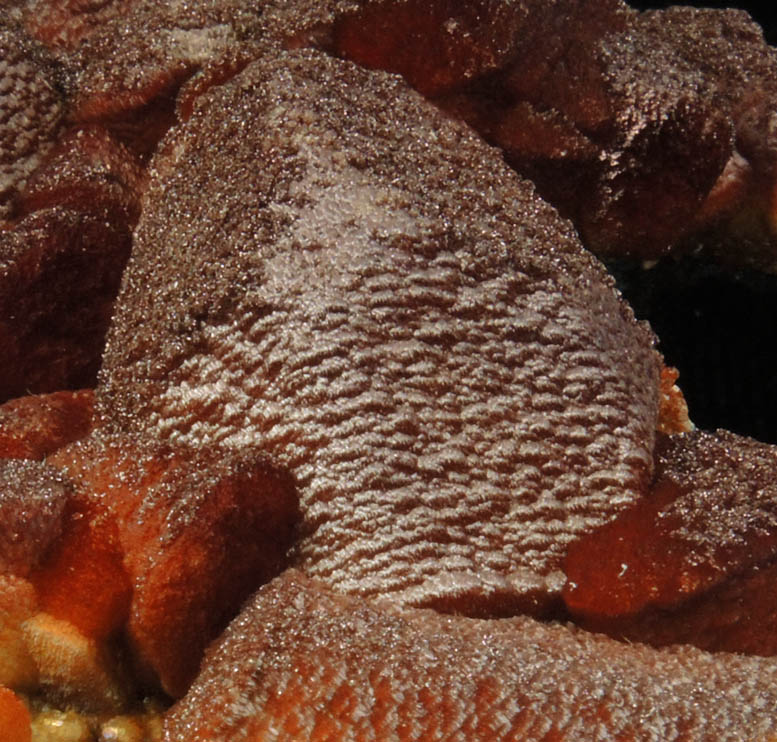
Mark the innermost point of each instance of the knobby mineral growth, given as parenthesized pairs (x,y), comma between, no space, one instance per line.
(348,325)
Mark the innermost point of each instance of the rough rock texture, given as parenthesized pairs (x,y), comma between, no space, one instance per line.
(293,666)
(396,319)
(712,512)
(139,58)
(64,23)
(645,128)
(87,170)
(331,273)
(440,46)
(733,74)
(31,108)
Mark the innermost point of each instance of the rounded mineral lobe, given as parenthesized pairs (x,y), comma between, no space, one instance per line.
(330,270)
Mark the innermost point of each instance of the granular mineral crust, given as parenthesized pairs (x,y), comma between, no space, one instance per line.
(34,426)
(648,129)
(186,535)
(31,110)
(351,339)
(301,663)
(392,316)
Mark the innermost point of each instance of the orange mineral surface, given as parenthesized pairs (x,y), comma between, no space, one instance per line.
(176,543)
(317,418)
(14,717)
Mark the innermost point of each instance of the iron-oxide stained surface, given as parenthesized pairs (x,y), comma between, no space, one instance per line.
(331,271)
(34,426)
(711,514)
(291,667)
(316,376)
(196,532)
(694,561)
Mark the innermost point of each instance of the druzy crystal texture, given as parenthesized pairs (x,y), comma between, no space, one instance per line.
(319,417)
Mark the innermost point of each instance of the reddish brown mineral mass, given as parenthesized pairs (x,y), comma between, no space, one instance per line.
(366,445)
